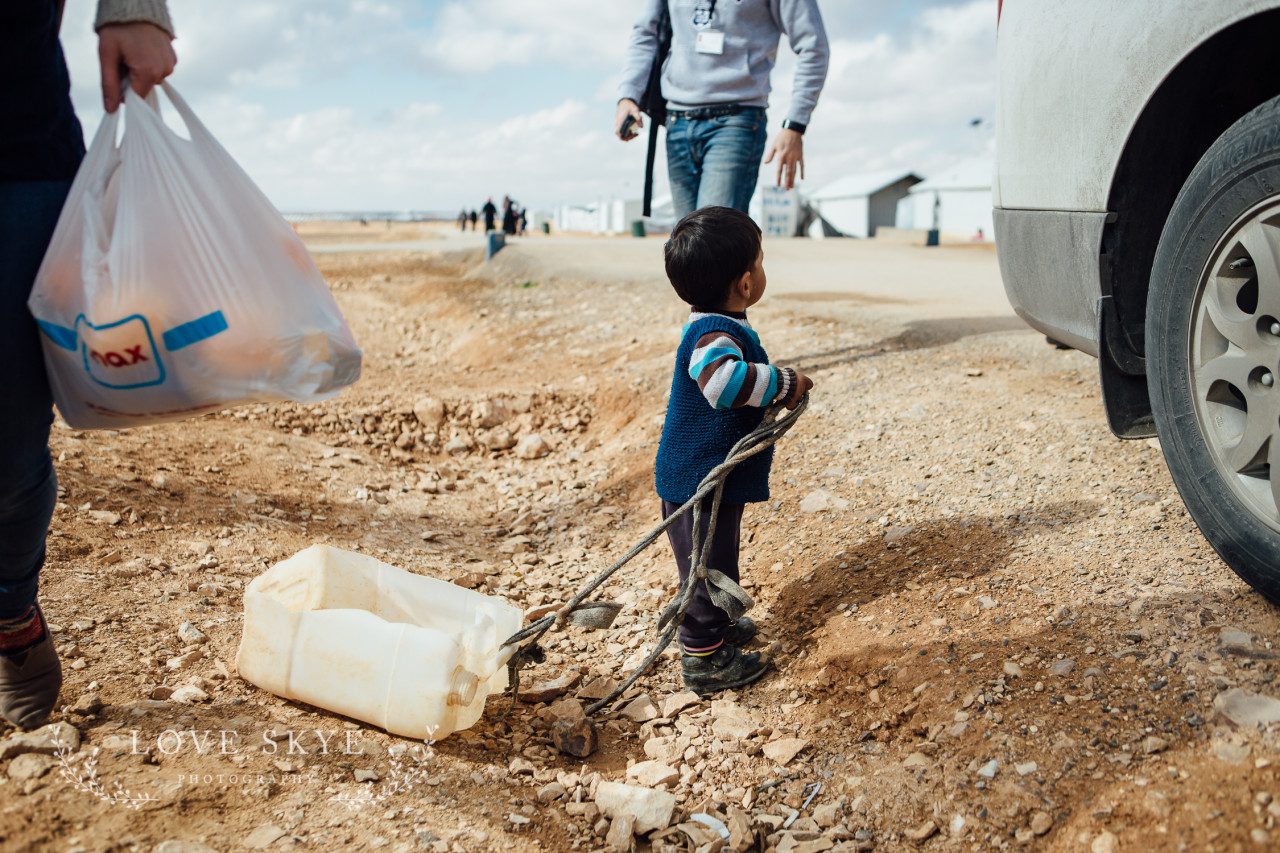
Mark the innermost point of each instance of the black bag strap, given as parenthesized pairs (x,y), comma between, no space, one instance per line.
(654,104)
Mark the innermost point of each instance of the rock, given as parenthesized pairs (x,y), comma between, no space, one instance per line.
(521,766)
(489,413)
(896,534)
(1152,744)
(596,688)
(363,774)
(668,750)
(1062,667)
(456,444)
(532,446)
(677,702)
(917,760)
(549,691)
(1104,842)
(86,705)
(1026,768)
(551,792)
(175,846)
(1041,822)
(184,661)
(46,740)
(821,500)
(1247,709)
(572,731)
(161,692)
(620,831)
(986,602)
(650,809)
(104,517)
(30,765)
(262,837)
(989,770)
(783,750)
(651,774)
(1012,670)
(640,709)
(498,439)
(189,694)
(923,832)
(1229,749)
(430,413)
(189,633)
(827,815)
(730,721)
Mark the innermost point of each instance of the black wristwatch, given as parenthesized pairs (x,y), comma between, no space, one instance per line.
(799,128)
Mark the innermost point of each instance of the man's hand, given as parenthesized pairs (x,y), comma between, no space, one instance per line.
(803,384)
(788,147)
(141,50)
(628,107)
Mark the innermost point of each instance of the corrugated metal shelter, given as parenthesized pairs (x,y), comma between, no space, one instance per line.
(855,205)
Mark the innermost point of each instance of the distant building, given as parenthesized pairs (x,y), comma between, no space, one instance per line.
(856,205)
(776,211)
(962,195)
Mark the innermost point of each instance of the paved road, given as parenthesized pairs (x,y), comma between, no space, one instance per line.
(898,282)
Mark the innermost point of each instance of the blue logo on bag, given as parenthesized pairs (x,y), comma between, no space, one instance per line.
(123,355)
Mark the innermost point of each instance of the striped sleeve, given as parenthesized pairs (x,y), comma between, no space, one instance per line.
(727,380)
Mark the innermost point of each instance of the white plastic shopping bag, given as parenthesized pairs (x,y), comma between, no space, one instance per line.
(172,287)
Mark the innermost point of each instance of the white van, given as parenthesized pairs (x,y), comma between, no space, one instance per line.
(1137,217)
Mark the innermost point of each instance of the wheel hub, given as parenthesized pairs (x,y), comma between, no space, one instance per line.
(1235,358)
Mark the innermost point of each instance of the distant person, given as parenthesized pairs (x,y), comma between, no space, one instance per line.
(721,385)
(41,146)
(716,85)
(490,214)
(472,216)
(524,221)
(462,220)
(508,217)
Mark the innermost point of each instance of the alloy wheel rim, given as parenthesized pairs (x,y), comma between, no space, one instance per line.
(1235,359)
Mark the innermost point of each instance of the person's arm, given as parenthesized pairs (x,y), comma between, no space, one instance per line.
(134,38)
(728,381)
(641,51)
(802,22)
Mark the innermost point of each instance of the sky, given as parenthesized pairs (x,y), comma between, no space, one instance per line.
(436,104)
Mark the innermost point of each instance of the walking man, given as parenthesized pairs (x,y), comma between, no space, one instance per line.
(716,85)
(40,149)
(490,213)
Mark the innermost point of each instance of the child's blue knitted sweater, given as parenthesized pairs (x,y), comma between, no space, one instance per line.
(697,437)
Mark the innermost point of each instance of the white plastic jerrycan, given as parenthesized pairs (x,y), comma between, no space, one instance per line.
(345,632)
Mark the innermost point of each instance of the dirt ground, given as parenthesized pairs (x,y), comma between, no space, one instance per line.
(994,625)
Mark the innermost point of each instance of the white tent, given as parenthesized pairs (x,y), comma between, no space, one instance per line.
(962,195)
(856,205)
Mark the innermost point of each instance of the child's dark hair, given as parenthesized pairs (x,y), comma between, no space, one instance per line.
(709,250)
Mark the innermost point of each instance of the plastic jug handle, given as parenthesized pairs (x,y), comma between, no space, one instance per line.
(463,687)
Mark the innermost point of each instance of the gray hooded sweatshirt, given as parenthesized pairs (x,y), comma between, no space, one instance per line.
(739,74)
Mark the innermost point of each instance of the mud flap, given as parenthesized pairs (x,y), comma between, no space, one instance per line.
(1123,374)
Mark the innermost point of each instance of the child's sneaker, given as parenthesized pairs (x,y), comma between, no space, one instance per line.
(741,632)
(724,669)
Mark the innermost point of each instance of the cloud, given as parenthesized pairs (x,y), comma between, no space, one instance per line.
(366,104)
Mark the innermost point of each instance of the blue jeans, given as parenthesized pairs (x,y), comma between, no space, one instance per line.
(28,489)
(715,161)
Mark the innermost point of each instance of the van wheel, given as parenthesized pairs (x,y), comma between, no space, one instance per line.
(1213,346)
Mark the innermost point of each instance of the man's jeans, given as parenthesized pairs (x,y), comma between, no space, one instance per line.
(28,490)
(715,161)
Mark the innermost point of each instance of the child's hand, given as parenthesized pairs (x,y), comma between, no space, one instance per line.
(803,384)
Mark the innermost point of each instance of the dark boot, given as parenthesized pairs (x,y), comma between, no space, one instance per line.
(741,632)
(30,681)
(724,669)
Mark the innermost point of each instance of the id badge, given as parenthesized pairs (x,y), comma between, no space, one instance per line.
(709,41)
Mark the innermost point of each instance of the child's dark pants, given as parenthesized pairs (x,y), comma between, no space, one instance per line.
(705,624)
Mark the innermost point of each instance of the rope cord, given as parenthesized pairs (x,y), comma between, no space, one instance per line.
(771,428)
